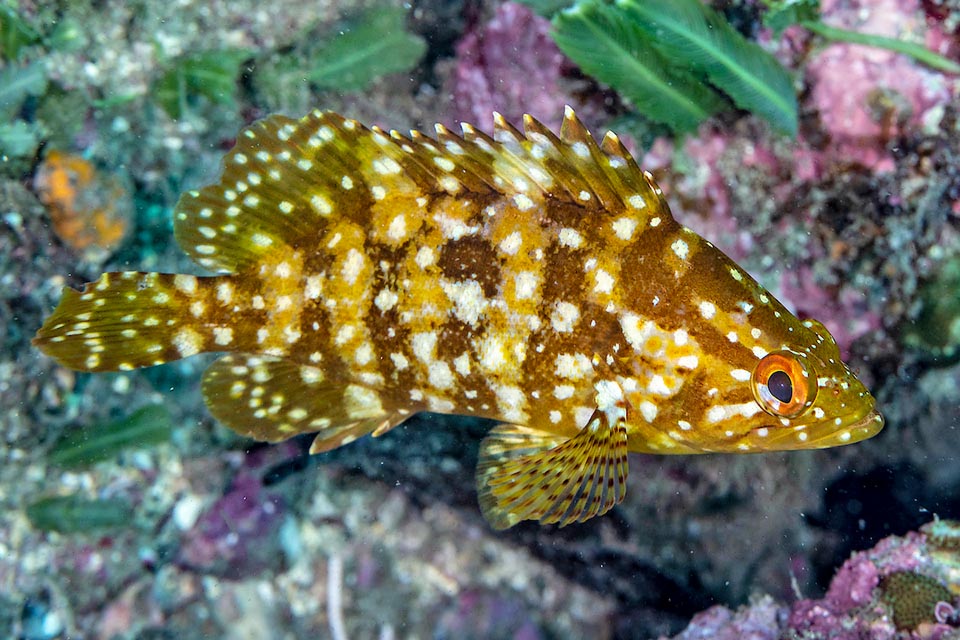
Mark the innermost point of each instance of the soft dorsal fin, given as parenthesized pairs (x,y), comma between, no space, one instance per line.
(274,399)
(286,179)
(526,474)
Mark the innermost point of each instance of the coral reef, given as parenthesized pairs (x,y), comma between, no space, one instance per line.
(856,222)
(913,599)
(899,586)
(865,97)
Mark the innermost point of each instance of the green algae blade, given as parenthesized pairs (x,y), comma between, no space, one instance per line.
(75,514)
(916,51)
(15,33)
(688,31)
(143,428)
(375,44)
(17,83)
(547,8)
(212,74)
(609,45)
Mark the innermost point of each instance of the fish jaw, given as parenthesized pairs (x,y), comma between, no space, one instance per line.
(818,436)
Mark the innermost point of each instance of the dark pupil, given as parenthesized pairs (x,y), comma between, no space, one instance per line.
(780,386)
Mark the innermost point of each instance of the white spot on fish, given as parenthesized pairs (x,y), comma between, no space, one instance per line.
(624,228)
(523,202)
(648,410)
(564,317)
(604,282)
(708,310)
(570,238)
(187,342)
(511,244)
(680,248)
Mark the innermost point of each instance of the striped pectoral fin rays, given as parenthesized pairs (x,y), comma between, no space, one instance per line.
(274,399)
(526,474)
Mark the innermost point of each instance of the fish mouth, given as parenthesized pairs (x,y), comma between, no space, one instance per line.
(867,426)
(790,438)
(858,430)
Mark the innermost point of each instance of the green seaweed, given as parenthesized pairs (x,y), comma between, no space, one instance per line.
(17,83)
(373,44)
(689,31)
(668,56)
(609,45)
(68,36)
(18,139)
(211,74)
(546,8)
(673,58)
(76,514)
(781,14)
(916,51)
(145,427)
(280,80)
(936,331)
(15,33)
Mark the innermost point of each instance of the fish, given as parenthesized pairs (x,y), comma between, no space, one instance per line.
(361,276)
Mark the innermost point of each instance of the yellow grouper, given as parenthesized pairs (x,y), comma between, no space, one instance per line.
(535,280)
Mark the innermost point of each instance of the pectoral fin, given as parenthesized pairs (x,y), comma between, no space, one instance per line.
(527,474)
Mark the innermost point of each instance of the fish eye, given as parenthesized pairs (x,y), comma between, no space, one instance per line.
(784,384)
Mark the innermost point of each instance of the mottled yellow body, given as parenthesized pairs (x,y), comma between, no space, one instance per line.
(535,280)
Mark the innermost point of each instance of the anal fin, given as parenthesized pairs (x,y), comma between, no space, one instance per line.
(527,474)
(274,399)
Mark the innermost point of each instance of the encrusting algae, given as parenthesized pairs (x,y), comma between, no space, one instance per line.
(90,210)
(535,280)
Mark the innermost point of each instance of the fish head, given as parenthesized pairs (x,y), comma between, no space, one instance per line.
(816,392)
(803,397)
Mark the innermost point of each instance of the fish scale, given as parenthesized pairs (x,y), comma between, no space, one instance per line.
(534,279)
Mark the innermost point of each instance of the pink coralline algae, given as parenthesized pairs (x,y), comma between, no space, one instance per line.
(850,316)
(866,96)
(509,65)
(854,606)
(238,536)
(760,621)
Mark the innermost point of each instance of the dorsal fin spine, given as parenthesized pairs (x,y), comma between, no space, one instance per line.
(286,179)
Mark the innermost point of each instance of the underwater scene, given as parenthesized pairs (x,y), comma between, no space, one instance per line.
(467,319)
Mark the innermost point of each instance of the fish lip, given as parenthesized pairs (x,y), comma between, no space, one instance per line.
(860,429)
(863,428)
(867,426)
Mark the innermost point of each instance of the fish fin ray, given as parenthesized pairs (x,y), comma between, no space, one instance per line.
(286,180)
(127,320)
(527,474)
(274,399)
(219,226)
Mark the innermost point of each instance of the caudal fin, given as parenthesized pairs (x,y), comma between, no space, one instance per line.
(127,320)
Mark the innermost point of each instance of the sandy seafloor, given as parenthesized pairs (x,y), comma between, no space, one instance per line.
(854,222)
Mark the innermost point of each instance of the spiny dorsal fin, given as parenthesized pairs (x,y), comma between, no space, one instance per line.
(526,474)
(274,399)
(580,147)
(286,180)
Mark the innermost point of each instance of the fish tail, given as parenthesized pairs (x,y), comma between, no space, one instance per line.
(124,321)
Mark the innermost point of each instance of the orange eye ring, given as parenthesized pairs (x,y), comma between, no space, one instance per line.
(784,384)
